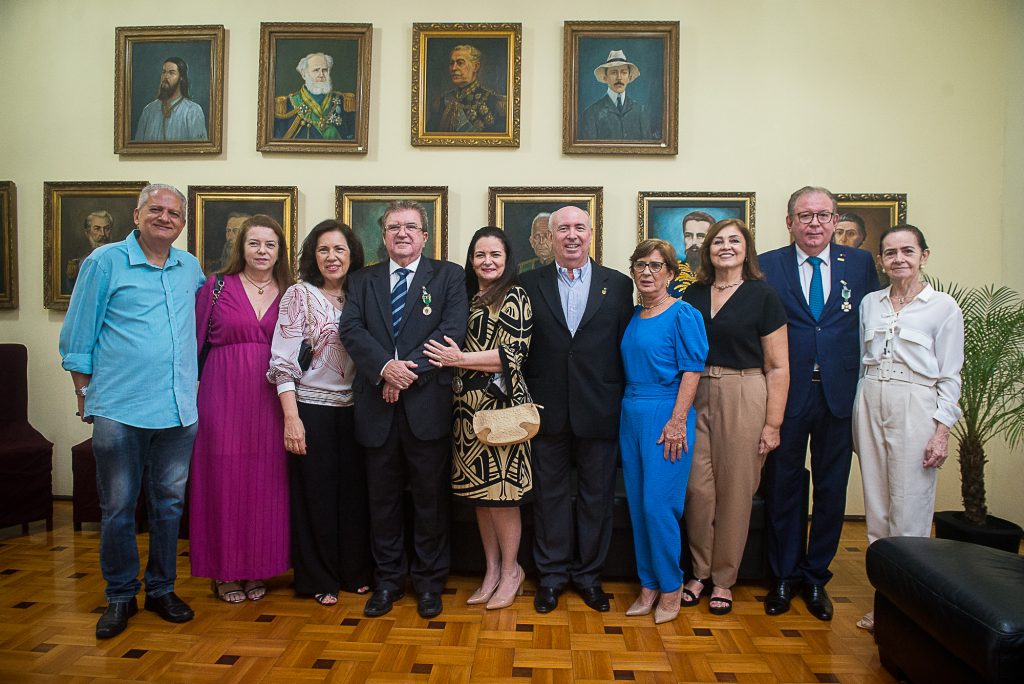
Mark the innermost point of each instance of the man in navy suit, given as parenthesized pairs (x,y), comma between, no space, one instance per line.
(403,405)
(821,285)
(580,311)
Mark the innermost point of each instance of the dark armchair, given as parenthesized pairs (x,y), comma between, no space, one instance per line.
(26,457)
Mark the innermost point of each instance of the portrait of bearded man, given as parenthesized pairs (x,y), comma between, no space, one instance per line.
(172,115)
(316,111)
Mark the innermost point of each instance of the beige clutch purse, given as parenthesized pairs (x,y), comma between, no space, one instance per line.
(512,425)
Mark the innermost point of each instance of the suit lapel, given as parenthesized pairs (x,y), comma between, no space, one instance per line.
(549,290)
(838,268)
(598,280)
(792,275)
(381,281)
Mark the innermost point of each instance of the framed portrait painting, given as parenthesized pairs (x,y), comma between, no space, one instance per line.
(523,212)
(362,207)
(620,87)
(314,88)
(79,217)
(683,219)
(8,245)
(466,81)
(217,212)
(169,90)
(864,216)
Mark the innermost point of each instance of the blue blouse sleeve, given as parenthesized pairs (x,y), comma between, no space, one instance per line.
(691,339)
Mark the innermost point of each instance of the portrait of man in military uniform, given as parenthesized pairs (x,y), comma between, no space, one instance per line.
(315,111)
(540,244)
(469,106)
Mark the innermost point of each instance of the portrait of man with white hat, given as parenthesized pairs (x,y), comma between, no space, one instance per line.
(616,116)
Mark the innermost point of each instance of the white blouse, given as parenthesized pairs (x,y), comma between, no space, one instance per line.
(306,313)
(927,336)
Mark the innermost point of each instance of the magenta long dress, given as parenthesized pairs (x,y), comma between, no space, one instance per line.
(239,481)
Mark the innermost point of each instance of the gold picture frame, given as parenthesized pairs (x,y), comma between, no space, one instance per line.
(663,215)
(361,206)
(71,209)
(518,210)
(477,113)
(215,212)
(646,121)
(877,211)
(193,124)
(291,118)
(8,245)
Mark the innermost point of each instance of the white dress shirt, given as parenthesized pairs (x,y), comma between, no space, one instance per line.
(927,336)
(807,271)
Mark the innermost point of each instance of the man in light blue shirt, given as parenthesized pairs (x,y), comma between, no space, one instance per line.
(172,116)
(129,341)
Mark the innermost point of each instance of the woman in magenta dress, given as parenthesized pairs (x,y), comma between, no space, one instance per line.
(239,482)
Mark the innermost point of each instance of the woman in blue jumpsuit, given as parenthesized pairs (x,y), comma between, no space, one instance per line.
(663,352)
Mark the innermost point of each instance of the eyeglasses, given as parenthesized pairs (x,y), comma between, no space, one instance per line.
(806,217)
(395,228)
(654,266)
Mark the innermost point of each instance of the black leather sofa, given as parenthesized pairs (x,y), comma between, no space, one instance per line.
(948,611)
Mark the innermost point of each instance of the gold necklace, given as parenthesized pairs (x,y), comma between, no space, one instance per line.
(904,298)
(723,288)
(259,288)
(655,304)
(340,296)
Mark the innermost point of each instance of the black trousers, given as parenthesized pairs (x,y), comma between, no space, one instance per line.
(330,519)
(425,467)
(566,549)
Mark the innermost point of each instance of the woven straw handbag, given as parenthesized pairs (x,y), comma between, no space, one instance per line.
(505,426)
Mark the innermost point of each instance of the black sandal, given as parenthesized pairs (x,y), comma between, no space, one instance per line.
(720,610)
(326,599)
(689,599)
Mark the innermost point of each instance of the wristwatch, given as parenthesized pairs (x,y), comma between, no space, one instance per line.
(82,391)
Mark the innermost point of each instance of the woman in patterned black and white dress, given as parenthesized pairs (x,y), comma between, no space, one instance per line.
(496,480)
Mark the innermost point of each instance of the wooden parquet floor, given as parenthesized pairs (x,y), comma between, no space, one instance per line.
(51,593)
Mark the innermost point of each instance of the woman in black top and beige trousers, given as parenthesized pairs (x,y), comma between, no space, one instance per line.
(740,403)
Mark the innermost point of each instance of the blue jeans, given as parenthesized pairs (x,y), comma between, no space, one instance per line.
(124,456)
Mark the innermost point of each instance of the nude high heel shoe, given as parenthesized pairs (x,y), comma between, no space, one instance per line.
(641,608)
(663,615)
(503,598)
(481,595)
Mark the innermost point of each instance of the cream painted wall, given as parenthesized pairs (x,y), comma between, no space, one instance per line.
(873,96)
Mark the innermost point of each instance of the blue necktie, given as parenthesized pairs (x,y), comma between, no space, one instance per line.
(398,299)
(618,103)
(817,294)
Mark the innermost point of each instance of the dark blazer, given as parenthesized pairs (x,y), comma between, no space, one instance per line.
(365,330)
(833,339)
(578,378)
(603,121)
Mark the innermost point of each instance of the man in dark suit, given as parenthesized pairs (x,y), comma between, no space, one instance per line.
(403,405)
(821,285)
(580,311)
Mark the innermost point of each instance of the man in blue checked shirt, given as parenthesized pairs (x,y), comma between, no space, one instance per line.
(129,341)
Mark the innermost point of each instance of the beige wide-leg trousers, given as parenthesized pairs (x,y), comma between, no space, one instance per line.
(726,469)
(892,423)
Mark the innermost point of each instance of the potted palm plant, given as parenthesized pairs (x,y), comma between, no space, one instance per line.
(992,400)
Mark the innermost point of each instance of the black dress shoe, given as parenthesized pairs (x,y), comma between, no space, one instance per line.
(546,599)
(818,602)
(429,604)
(778,598)
(115,618)
(170,608)
(595,598)
(380,603)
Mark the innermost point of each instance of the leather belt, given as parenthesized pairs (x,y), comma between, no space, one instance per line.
(478,381)
(816,375)
(719,371)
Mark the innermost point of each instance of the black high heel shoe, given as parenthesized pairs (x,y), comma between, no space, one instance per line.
(690,599)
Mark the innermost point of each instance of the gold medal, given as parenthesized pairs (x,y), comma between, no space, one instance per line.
(427,311)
